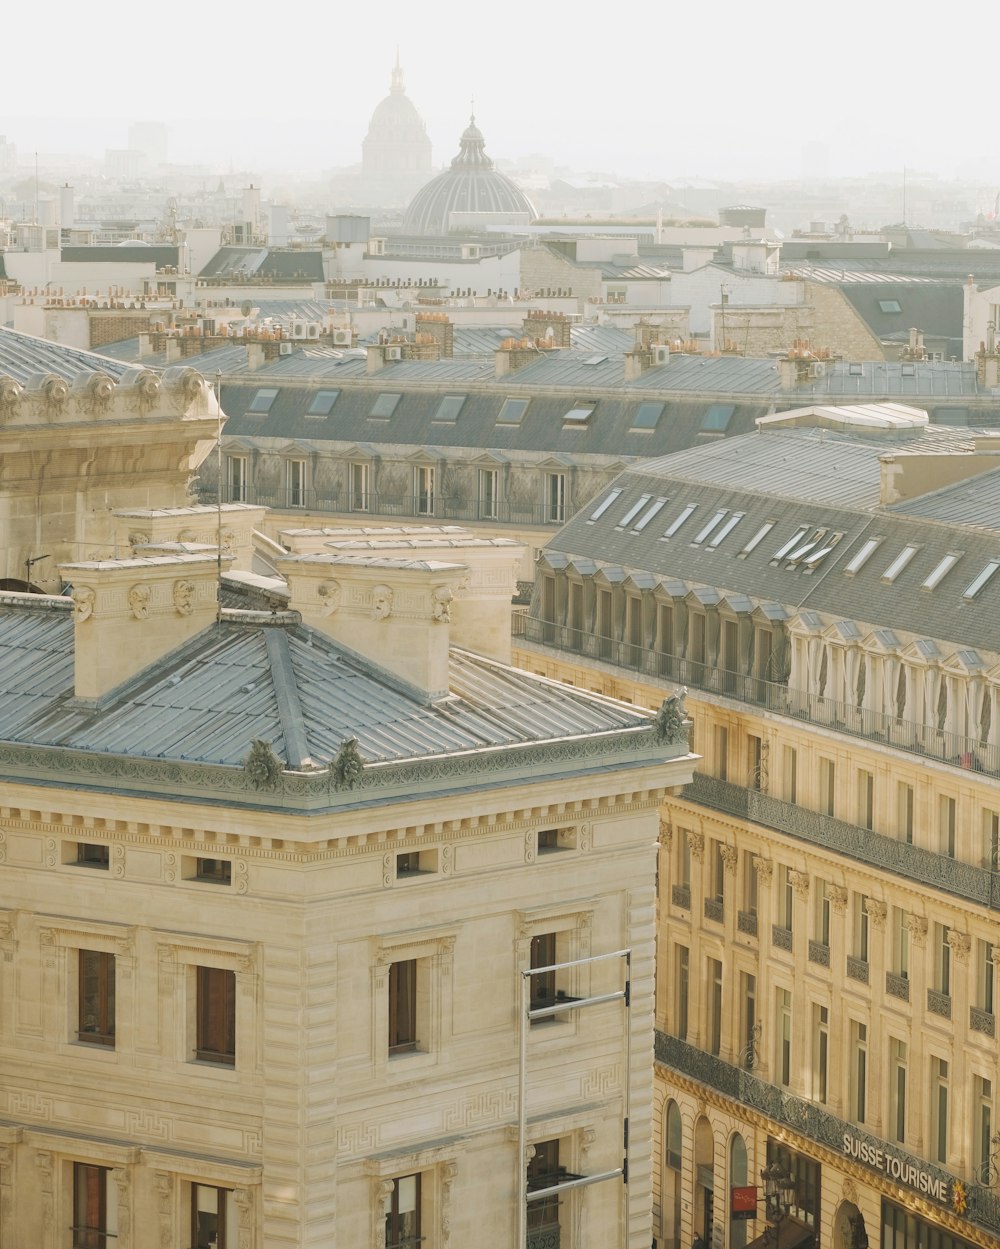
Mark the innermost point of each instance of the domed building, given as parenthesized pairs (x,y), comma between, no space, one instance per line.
(473,184)
(396,151)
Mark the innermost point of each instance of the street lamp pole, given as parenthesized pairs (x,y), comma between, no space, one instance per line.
(779,1197)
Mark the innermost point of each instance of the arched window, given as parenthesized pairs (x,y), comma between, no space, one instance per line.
(737,1179)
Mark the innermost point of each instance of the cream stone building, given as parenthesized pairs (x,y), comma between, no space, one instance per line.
(827,590)
(321,925)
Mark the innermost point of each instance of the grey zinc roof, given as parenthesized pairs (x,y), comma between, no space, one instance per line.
(288,684)
(22,356)
(772,496)
(975,503)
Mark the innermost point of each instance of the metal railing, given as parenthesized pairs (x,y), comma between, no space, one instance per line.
(907,735)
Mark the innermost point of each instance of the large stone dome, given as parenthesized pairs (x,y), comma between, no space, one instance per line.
(472,184)
(396,143)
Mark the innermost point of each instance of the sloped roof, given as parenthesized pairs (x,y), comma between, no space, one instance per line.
(22,356)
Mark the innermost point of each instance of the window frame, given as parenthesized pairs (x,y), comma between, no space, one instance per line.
(488,499)
(394,1238)
(359,485)
(556,496)
(215,1021)
(90,1185)
(103,1033)
(424,490)
(296,481)
(237,476)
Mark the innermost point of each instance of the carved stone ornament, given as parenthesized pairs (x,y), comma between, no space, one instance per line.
(671,720)
(329,594)
(917,927)
(84,598)
(138,601)
(184,597)
(877,912)
(764,869)
(730,856)
(961,944)
(441,600)
(348,767)
(381,602)
(666,831)
(262,765)
(800,883)
(838,899)
(697,843)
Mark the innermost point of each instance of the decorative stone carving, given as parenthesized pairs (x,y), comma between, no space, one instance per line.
(850,1191)
(441,600)
(136,538)
(228,539)
(381,602)
(961,944)
(877,912)
(916,925)
(670,725)
(800,883)
(764,869)
(697,843)
(164,1201)
(138,601)
(329,593)
(530,845)
(45,1163)
(348,767)
(730,857)
(184,597)
(84,598)
(666,832)
(382,1191)
(244,1203)
(448,1172)
(388,875)
(121,1180)
(838,899)
(262,765)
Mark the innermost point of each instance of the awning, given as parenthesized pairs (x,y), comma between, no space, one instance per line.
(791,1235)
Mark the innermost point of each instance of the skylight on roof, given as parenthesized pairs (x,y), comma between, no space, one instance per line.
(634,510)
(512,411)
(707,529)
(862,555)
(579,416)
(815,558)
(785,547)
(899,563)
(595,359)
(263,399)
(647,415)
(716,419)
(890,305)
(676,524)
(322,402)
(982,579)
(603,506)
(941,571)
(758,537)
(655,507)
(726,529)
(449,408)
(385,405)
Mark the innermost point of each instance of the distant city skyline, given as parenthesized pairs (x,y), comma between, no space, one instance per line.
(730,96)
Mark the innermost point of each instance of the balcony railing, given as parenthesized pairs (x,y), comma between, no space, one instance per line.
(939,1003)
(897,986)
(819,953)
(982,1021)
(857,969)
(809,1119)
(919,739)
(964,880)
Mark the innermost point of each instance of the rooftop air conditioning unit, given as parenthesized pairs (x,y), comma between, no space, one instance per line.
(394,353)
(342,338)
(285,349)
(817,369)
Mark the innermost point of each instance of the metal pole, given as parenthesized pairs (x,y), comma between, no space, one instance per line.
(521,1187)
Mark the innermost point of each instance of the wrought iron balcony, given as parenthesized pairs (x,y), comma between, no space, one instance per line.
(897,986)
(819,953)
(714,910)
(781,938)
(857,969)
(746,922)
(982,1021)
(939,1003)
(919,739)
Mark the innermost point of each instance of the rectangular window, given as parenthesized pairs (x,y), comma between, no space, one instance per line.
(214,1218)
(942,959)
(96,1001)
(946,825)
(577,417)
(403,1006)
(384,406)
(900,943)
(827,785)
(402,1213)
(682,985)
(423,489)
(786,898)
(449,408)
(722,752)
(750,882)
(991,840)
(92,1226)
(982,1128)
(216,1015)
(295,482)
(262,400)
(715,1006)
(748,996)
(758,537)
(236,478)
(821,1051)
(684,859)
(898,564)
(322,402)
(603,506)
(92,854)
(862,556)
(717,417)
(861,927)
(941,570)
(718,887)
(675,524)
(939,1110)
(647,415)
(218,871)
(512,411)
(904,812)
(489,493)
(784,1032)
(985,976)
(544,1171)
(755,754)
(866,798)
(791,771)
(897,1089)
(823,912)
(360,487)
(555,498)
(981,579)
(859,1071)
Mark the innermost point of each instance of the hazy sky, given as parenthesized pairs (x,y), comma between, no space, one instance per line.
(719,90)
